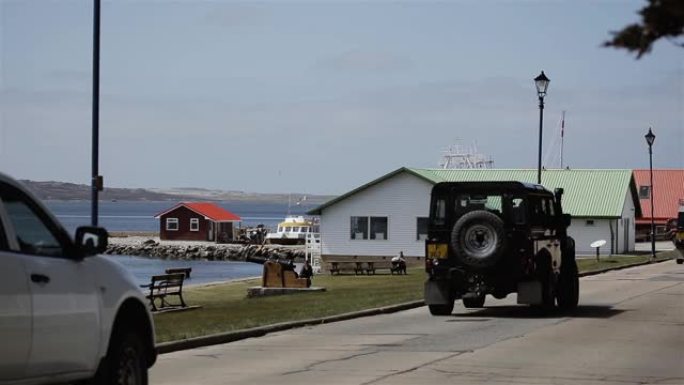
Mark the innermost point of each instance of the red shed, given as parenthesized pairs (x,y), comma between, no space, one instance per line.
(197,221)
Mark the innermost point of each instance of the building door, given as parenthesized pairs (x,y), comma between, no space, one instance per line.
(210,231)
(625,225)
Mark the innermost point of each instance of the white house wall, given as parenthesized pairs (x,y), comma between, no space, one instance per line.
(402,199)
(585,233)
(628,215)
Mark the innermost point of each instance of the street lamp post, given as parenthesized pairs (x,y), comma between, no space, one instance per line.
(542,83)
(96,181)
(650,138)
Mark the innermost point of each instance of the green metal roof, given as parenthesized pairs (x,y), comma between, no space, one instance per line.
(588,193)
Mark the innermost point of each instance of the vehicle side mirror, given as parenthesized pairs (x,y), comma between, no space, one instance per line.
(91,240)
(567,218)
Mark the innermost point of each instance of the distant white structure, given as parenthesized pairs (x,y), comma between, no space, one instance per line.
(460,156)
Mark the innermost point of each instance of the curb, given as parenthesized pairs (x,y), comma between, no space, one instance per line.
(601,271)
(222,338)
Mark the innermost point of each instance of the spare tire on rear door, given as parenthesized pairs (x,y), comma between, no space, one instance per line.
(478,239)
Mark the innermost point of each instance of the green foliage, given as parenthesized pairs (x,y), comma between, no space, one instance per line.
(659,19)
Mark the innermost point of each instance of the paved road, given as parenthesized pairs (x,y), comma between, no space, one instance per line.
(629,329)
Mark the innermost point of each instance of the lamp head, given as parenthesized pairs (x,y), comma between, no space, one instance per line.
(542,83)
(650,137)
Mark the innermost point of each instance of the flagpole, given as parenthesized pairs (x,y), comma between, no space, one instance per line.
(562,137)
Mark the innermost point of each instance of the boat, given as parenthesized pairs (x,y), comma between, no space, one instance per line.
(294,230)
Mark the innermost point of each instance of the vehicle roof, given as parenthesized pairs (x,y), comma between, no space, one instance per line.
(494,186)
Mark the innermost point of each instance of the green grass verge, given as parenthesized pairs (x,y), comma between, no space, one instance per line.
(591,264)
(224,307)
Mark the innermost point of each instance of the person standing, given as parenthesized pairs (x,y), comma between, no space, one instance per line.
(306,272)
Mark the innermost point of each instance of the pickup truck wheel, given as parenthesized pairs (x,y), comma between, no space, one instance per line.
(442,309)
(478,238)
(680,261)
(475,302)
(125,361)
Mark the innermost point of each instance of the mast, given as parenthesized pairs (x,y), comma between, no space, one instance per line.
(562,137)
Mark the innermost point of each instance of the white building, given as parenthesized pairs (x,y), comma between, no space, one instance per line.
(389,214)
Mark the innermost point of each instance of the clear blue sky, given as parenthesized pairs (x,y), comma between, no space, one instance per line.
(320,97)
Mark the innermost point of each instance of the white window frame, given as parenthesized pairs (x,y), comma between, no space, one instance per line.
(169,221)
(194,224)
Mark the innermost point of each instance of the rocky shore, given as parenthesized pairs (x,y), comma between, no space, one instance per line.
(152,248)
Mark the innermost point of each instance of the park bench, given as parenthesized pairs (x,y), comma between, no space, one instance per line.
(184,270)
(165,285)
(372,266)
(338,266)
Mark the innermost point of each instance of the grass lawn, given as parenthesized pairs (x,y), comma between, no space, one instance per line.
(226,308)
(605,262)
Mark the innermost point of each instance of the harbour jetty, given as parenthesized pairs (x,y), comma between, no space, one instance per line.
(205,251)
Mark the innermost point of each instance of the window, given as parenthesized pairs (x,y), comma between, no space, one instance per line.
(378,227)
(359,227)
(644,192)
(171,224)
(194,224)
(33,234)
(439,212)
(590,222)
(421,228)
(518,213)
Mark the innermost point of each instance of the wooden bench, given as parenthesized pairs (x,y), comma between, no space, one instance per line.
(165,285)
(372,266)
(176,270)
(338,266)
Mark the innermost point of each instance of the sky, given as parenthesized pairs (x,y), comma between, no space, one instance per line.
(320,97)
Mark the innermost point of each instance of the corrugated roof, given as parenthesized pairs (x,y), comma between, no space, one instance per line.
(668,189)
(588,193)
(207,209)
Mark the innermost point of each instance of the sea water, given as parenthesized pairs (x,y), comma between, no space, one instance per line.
(202,271)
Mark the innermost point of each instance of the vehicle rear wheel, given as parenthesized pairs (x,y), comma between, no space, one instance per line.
(568,281)
(680,261)
(125,361)
(474,302)
(441,309)
(548,281)
(478,238)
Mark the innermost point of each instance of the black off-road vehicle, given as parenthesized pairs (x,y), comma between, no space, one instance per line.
(498,238)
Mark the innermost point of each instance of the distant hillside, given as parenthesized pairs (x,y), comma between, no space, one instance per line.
(70,191)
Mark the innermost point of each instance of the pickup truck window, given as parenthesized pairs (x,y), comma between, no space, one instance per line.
(33,236)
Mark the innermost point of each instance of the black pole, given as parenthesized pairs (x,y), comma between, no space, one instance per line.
(95,184)
(650,158)
(541,119)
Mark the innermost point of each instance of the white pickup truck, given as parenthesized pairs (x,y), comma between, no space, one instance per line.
(66,313)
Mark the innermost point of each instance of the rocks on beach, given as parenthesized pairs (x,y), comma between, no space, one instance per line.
(181,250)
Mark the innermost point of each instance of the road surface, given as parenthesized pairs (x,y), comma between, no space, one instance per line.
(629,329)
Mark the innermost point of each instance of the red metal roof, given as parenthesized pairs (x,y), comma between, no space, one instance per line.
(668,189)
(210,210)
